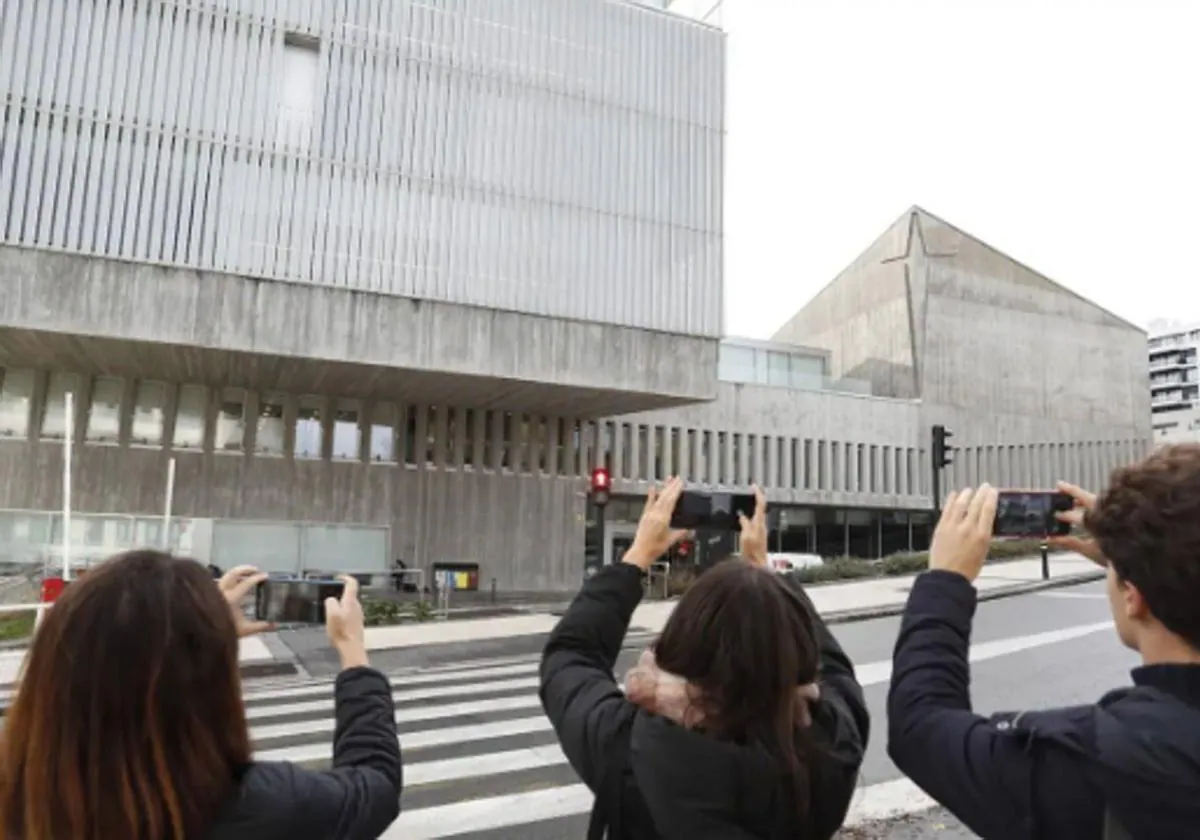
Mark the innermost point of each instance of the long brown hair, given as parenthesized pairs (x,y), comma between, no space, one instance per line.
(128,722)
(747,643)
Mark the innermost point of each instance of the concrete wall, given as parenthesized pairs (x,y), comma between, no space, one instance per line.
(129,319)
(992,349)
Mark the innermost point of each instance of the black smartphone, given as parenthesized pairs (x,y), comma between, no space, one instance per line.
(294,600)
(713,511)
(1030,514)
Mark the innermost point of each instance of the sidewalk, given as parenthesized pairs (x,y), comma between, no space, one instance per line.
(252,651)
(853,599)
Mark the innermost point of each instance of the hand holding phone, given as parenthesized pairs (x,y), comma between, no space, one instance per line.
(697,509)
(295,600)
(1031,514)
(345,626)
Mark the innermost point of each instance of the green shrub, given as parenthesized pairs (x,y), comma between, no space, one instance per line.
(422,611)
(381,613)
(905,563)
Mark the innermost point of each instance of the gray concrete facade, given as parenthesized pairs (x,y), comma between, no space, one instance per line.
(1005,357)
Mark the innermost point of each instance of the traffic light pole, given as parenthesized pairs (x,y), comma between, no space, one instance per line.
(937,491)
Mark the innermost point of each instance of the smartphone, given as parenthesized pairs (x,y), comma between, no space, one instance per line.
(712,511)
(294,600)
(1030,514)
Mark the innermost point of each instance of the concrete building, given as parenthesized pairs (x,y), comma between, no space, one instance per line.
(1175,382)
(387,281)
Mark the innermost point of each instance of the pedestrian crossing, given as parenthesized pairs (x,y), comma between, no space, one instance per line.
(479,754)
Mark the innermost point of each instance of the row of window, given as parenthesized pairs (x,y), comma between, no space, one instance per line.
(235,421)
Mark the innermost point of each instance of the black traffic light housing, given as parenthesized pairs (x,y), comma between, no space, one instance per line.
(601,486)
(943,452)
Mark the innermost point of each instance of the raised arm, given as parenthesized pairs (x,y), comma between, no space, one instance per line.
(997,778)
(586,707)
(581,698)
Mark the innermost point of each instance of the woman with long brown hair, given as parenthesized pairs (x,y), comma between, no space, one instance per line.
(128,721)
(744,720)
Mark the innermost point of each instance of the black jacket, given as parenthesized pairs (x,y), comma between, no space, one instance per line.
(678,784)
(356,800)
(1047,774)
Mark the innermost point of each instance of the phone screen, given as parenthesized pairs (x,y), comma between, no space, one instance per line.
(293,601)
(1030,514)
(713,511)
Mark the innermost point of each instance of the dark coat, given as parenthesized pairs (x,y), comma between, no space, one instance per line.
(1047,774)
(679,784)
(355,800)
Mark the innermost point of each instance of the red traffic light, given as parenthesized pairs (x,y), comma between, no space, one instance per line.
(600,479)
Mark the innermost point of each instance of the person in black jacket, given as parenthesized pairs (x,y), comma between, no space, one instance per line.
(745,721)
(128,721)
(1127,766)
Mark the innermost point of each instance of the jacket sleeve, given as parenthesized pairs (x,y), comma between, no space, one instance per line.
(360,796)
(839,684)
(581,698)
(996,778)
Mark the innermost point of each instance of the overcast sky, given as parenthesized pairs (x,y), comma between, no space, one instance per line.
(1066,134)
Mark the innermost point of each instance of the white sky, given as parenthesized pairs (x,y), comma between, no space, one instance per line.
(1066,134)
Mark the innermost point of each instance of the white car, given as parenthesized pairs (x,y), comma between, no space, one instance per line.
(784,563)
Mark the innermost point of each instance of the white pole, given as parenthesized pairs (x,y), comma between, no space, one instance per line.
(68,450)
(170,499)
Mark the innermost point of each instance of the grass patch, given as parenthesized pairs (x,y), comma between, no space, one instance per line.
(17,625)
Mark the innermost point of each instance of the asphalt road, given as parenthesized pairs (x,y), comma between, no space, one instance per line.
(481,763)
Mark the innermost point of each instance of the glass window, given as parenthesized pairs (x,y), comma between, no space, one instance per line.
(506,441)
(736,364)
(190,412)
(643,446)
(231,421)
(410,434)
(626,458)
(269,428)
(16,401)
(676,462)
(751,454)
(452,425)
(309,428)
(721,449)
(541,443)
(383,433)
(488,422)
(660,452)
(54,421)
(470,435)
(609,444)
(104,411)
(346,434)
(778,369)
(149,413)
(432,439)
(689,472)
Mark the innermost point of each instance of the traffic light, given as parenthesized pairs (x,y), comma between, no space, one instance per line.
(943,452)
(601,486)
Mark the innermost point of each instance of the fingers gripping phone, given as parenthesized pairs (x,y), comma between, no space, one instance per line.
(712,511)
(1031,514)
(294,600)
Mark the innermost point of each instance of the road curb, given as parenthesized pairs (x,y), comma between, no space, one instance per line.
(852,616)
